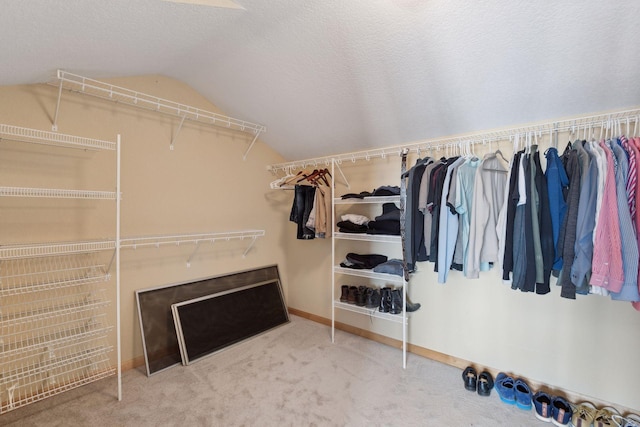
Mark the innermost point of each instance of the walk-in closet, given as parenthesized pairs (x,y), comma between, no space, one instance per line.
(319,213)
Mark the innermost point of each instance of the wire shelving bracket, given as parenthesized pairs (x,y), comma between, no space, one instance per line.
(195,238)
(99,89)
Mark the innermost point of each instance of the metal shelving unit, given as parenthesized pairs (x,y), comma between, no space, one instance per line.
(53,327)
(402,318)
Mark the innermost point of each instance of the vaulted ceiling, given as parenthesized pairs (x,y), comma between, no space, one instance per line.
(331,76)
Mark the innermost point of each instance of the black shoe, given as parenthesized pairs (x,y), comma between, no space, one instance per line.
(385,300)
(344,296)
(352,297)
(485,383)
(361,296)
(411,306)
(373,298)
(396,302)
(470,378)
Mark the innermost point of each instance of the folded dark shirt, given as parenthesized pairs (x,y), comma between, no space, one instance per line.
(364,261)
(384,227)
(350,227)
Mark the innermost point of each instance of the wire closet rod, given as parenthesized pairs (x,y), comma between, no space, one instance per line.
(596,121)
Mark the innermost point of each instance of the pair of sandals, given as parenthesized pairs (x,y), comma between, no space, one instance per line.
(482,383)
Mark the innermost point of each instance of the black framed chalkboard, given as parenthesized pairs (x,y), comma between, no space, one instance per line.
(208,324)
(159,339)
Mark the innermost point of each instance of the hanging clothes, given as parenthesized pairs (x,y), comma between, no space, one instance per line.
(448,226)
(301,209)
(567,237)
(508,214)
(629,289)
(414,219)
(581,268)
(607,256)
(545,226)
(464,198)
(423,205)
(488,195)
(557,187)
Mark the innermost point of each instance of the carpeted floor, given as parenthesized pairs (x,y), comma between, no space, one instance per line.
(290,376)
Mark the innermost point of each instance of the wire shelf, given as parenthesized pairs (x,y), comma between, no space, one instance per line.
(20,134)
(371,312)
(370,274)
(137,99)
(366,200)
(50,307)
(27,275)
(62,376)
(177,239)
(383,238)
(76,328)
(54,193)
(52,249)
(40,367)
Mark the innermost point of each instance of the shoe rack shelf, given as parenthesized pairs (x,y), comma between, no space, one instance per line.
(369,274)
(54,334)
(366,200)
(338,272)
(380,238)
(371,312)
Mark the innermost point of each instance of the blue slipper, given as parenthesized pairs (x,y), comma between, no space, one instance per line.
(523,395)
(505,388)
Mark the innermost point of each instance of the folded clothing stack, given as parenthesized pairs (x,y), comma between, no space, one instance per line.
(392,266)
(386,223)
(352,223)
(362,262)
(385,190)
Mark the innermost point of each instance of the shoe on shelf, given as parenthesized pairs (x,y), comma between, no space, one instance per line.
(361,296)
(542,403)
(485,383)
(353,294)
(605,417)
(385,300)
(396,302)
(373,298)
(470,378)
(523,395)
(562,411)
(583,414)
(505,388)
(344,296)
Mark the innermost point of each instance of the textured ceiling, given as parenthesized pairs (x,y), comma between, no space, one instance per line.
(331,76)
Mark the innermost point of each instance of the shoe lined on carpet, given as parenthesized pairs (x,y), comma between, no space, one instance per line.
(604,417)
(505,387)
(562,411)
(583,414)
(485,383)
(470,378)
(630,420)
(523,395)
(542,403)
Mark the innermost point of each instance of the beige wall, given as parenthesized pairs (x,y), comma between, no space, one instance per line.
(588,346)
(203,185)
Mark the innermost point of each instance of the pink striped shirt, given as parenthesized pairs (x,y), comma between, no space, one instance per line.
(607,253)
(636,144)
